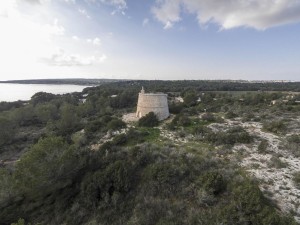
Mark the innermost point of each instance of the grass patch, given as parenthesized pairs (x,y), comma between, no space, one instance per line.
(152,134)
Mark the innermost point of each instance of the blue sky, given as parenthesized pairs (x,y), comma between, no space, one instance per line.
(139,39)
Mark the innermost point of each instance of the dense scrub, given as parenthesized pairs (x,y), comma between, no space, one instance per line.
(55,183)
(49,174)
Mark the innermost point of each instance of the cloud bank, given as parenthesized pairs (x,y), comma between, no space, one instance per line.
(228,14)
(61,58)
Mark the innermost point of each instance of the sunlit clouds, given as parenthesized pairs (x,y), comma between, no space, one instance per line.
(33,36)
(158,39)
(228,14)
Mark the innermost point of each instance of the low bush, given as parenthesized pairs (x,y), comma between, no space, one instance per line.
(277,163)
(277,127)
(262,147)
(296,179)
(229,137)
(116,124)
(149,120)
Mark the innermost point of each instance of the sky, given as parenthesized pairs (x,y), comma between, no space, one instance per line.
(150,39)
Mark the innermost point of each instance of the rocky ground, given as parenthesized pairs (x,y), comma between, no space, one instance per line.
(129,118)
(274,168)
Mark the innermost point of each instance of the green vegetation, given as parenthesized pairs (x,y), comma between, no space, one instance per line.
(229,137)
(50,175)
(7,130)
(293,144)
(114,187)
(296,179)
(277,163)
(262,147)
(150,120)
(277,127)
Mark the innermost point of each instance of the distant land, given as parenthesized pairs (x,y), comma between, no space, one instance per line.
(94,82)
(73,81)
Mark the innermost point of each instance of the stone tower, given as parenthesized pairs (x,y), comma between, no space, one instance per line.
(153,102)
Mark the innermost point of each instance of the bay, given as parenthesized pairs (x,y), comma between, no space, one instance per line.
(15,92)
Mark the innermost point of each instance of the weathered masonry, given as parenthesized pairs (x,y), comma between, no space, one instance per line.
(153,102)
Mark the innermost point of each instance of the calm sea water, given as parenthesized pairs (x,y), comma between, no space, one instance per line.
(15,92)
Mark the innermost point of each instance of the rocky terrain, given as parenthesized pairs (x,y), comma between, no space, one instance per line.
(273,168)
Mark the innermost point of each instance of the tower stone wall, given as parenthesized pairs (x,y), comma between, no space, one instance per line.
(153,102)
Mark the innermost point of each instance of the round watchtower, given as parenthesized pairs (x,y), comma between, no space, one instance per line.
(153,102)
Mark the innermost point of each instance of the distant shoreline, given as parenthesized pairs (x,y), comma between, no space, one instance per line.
(11,92)
(81,82)
(95,82)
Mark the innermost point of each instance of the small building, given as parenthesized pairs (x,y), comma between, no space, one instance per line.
(152,102)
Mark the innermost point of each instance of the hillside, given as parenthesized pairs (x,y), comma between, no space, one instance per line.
(225,156)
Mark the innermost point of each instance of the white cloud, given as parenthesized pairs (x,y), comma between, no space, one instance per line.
(119,4)
(75,38)
(168,25)
(61,58)
(6,7)
(96,41)
(84,13)
(102,58)
(31,31)
(145,22)
(45,1)
(167,12)
(54,29)
(70,1)
(24,38)
(258,14)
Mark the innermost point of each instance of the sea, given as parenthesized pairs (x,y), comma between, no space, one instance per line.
(15,92)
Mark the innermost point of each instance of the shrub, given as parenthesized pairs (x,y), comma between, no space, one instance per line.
(120,139)
(231,115)
(150,120)
(277,163)
(7,131)
(181,120)
(262,147)
(176,108)
(230,137)
(93,126)
(7,192)
(276,127)
(296,179)
(69,121)
(212,182)
(46,166)
(294,139)
(190,98)
(116,124)
(209,117)
(293,144)
(42,97)
(19,222)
